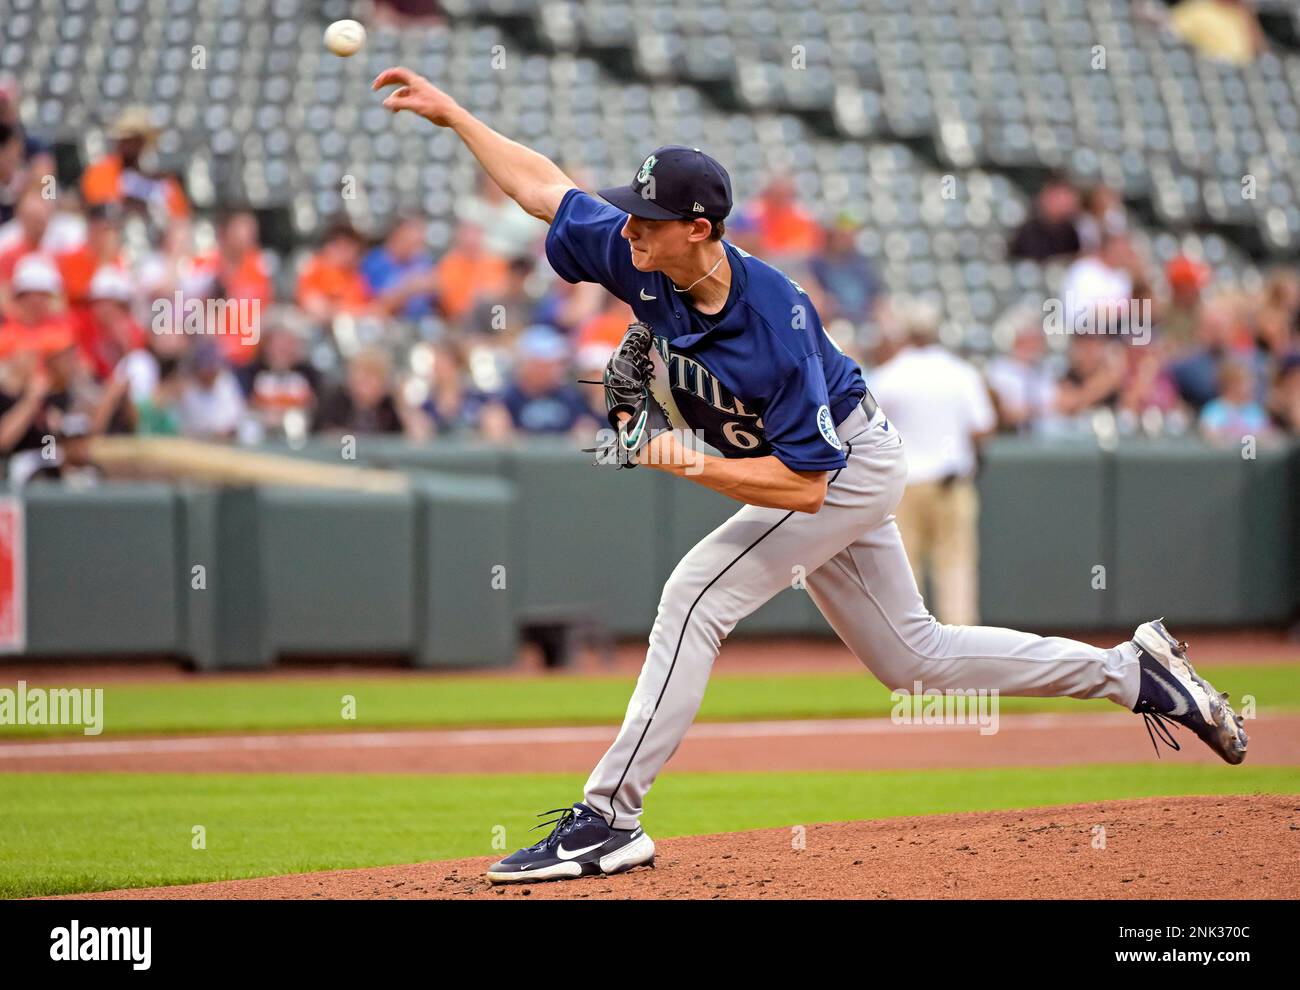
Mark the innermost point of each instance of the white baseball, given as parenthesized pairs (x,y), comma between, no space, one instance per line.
(345,38)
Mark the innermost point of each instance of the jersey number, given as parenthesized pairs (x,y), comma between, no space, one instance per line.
(738,437)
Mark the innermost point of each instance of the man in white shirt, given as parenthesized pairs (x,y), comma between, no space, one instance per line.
(941,408)
(1099,286)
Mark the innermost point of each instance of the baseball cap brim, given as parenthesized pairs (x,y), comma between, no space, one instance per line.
(630,201)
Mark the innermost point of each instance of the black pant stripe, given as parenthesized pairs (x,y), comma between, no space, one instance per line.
(680,637)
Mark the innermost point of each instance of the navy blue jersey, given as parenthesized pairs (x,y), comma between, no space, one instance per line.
(759,377)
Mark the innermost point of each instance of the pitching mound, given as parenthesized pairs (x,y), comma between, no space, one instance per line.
(1194,847)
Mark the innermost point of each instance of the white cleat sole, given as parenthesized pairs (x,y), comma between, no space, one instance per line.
(633,854)
(557,871)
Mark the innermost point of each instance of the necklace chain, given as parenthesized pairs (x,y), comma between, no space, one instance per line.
(702,277)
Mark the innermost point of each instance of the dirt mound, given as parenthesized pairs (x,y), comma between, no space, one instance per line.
(1192,847)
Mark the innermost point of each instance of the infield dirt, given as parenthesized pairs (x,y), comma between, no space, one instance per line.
(1187,847)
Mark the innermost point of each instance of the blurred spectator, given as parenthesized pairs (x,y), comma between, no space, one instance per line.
(1197,374)
(604,330)
(102,248)
(400,272)
(468,273)
(1278,313)
(1181,314)
(1094,377)
(1097,287)
(1148,385)
(159,412)
(35,393)
(541,397)
(845,275)
(119,177)
(742,231)
(566,306)
(236,272)
(406,14)
(1284,399)
(331,281)
(1050,232)
(450,405)
(211,403)
(367,402)
(939,403)
(69,459)
(174,266)
(24,163)
(1235,413)
(781,226)
(36,321)
(15,178)
(1225,30)
(504,315)
(281,384)
(1022,387)
(508,232)
(106,330)
(1102,214)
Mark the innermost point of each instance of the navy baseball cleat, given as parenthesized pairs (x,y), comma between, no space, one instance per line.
(580,845)
(1171,691)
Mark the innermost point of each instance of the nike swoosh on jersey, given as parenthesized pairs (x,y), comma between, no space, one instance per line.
(575,853)
(645,298)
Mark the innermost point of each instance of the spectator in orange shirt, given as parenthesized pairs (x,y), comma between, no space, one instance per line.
(468,272)
(783,226)
(331,282)
(118,176)
(106,330)
(36,323)
(238,274)
(607,327)
(102,248)
(33,220)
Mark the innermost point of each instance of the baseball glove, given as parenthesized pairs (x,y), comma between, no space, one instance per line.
(627,380)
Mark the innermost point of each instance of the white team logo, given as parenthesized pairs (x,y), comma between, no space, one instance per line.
(828,428)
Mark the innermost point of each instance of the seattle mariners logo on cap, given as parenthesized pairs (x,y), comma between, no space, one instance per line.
(647,167)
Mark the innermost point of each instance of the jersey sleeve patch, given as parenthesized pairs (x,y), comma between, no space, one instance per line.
(827,427)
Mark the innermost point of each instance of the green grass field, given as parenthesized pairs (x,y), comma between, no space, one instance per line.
(62,833)
(464,701)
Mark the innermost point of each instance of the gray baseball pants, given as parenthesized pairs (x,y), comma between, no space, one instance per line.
(858,574)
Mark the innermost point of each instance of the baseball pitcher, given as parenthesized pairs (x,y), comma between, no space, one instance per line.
(815,462)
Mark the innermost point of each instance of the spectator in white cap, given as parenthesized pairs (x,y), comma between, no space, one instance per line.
(106,329)
(541,397)
(36,321)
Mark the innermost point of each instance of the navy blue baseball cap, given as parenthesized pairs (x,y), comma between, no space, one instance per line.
(675,183)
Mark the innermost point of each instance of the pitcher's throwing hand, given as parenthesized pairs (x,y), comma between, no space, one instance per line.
(417,94)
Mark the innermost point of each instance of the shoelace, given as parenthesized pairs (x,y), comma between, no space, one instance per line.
(1161,722)
(567,818)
